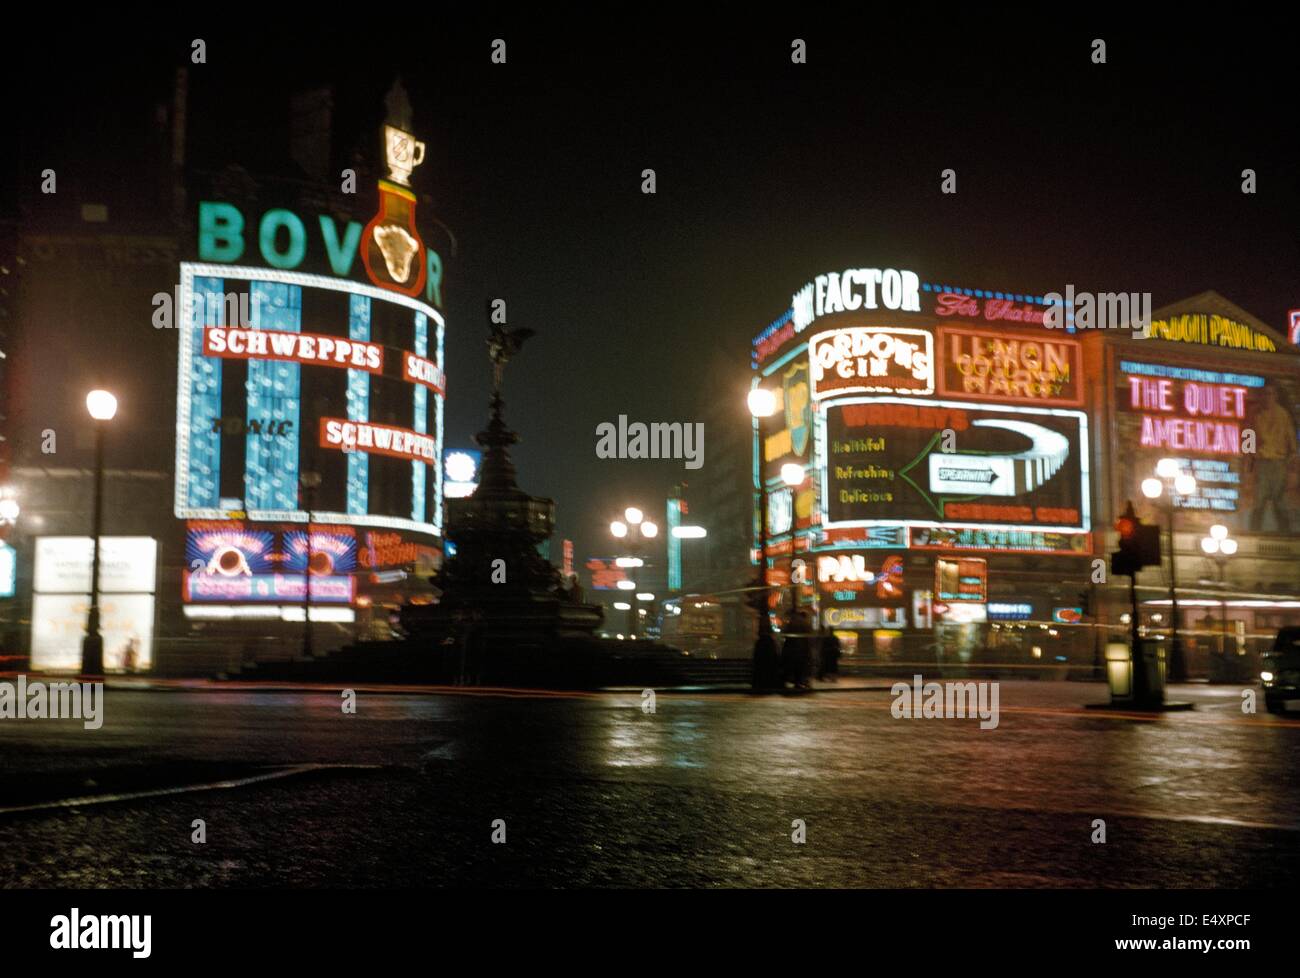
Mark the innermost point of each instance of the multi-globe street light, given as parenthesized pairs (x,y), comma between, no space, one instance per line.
(634,528)
(1219,546)
(102,407)
(1168,482)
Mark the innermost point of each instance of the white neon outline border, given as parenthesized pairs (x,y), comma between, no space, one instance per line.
(1084,467)
(900,330)
(183,400)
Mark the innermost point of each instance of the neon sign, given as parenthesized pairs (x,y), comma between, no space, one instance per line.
(961,579)
(993,310)
(266,449)
(383,439)
(311,348)
(1009,368)
(853,289)
(1011,467)
(418,370)
(1222,404)
(863,359)
(1209,330)
(284,244)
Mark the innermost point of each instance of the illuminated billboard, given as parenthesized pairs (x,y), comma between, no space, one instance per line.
(861,359)
(1234,432)
(605,573)
(239,562)
(330,376)
(1007,466)
(1014,368)
(61,600)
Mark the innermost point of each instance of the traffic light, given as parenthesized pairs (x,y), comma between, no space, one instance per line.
(1139,544)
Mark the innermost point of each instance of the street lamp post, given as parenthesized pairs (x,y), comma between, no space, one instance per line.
(310,482)
(762,405)
(102,406)
(1182,484)
(634,528)
(1219,546)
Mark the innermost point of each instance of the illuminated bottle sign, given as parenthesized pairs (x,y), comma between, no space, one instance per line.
(854,289)
(863,359)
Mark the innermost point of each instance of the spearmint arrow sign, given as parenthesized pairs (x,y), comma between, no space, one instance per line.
(1013,467)
(1001,475)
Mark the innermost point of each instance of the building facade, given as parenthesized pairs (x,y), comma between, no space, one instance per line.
(275,339)
(945,464)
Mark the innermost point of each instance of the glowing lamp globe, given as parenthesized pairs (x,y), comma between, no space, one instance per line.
(762,402)
(102,405)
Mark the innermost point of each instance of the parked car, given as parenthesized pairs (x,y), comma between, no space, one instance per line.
(1279,672)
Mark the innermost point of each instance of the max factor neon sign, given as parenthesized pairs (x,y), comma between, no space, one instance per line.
(853,289)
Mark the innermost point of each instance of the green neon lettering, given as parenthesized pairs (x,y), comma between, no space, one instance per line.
(272,221)
(221,232)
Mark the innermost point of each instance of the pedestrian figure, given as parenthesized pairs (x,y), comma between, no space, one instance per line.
(829,660)
(767,664)
(796,653)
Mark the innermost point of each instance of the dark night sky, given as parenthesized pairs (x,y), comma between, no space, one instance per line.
(1122,177)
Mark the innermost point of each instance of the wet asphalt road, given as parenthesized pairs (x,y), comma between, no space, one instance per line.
(595,792)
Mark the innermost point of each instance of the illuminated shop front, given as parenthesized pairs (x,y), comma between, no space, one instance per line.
(947,456)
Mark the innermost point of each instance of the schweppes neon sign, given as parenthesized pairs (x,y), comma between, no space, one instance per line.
(1206,329)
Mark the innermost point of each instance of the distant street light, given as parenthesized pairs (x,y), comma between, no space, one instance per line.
(102,407)
(690,532)
(635,528)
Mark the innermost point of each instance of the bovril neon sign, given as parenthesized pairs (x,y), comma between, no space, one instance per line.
(282,240)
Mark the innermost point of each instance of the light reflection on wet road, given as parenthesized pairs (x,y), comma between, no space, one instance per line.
(702,792)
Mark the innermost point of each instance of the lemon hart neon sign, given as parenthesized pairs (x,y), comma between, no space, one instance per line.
(387,250)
